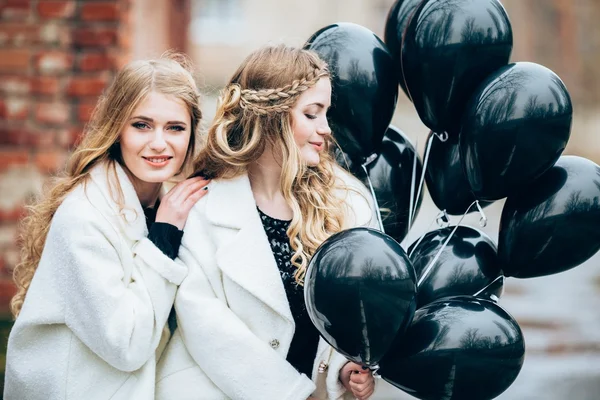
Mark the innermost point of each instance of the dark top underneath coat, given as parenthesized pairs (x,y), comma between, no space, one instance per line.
(306,337)
(167,238)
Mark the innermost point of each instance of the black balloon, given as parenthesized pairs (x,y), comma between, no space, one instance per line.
(364,86)
(395,26)
(467,264)
(515,127)
(555,224)
(390,34)
(445,178)
(449,48)
(456,348)
(360,290)
(391,176)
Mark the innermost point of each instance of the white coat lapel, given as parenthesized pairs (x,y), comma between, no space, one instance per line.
(245,256)
(131,217)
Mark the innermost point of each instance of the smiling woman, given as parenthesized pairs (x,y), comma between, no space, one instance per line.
(155,141)
(309,121)
(97,278)
(243,328)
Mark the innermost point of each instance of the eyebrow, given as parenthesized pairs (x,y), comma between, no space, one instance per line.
(316,104)
(148,119)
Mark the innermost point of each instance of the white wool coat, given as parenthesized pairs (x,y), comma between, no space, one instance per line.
(235,325)
(94,317)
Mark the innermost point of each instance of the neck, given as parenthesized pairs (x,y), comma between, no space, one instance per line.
(147,192)
(265,175)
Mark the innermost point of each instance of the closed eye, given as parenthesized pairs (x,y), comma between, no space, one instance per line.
(310,116)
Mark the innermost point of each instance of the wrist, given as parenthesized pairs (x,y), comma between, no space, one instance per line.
(344,375)
(179,225)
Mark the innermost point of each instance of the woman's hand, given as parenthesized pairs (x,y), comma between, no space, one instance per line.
(357,380)
(176,205)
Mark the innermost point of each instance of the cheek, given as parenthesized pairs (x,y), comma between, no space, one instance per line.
(181,143)
(130,145)
(299,128)
(302,133)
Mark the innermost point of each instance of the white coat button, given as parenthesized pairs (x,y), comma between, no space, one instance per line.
(274,343)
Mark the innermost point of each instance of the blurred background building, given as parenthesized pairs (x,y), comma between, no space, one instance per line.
(56,57)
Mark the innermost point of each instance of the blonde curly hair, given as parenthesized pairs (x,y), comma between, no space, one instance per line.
(169,75)
(253,112)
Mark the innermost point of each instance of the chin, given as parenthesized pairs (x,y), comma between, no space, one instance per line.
(312,160)
(156,176)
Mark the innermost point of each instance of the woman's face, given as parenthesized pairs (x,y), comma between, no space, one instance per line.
(155,139)
(309,121)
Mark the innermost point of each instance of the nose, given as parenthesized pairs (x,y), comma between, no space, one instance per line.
(158,142)
(324,129)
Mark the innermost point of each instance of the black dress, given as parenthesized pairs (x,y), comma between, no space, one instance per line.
(306,337)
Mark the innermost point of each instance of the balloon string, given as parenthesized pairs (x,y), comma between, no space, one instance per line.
(375,370)
(442,136)
(377,210)
(482,217)
(427,151)
(501,277)
(442,215)
(412,187)
(439,253)
(413,208)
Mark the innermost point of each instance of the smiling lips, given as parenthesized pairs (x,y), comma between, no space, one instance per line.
(158,161)
(317,145)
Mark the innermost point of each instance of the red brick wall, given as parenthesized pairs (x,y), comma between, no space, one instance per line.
(55,59)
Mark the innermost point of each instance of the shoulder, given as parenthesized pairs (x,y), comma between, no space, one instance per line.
(199,209)
(356,197)
(198,220)
(228,202)
(79,216)
(345,178)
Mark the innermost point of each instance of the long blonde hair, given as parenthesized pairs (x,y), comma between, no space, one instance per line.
(168,75)
(253,112)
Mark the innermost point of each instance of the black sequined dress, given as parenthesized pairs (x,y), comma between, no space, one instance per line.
(306,337)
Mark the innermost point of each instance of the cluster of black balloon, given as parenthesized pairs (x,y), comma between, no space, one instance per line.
(428,319)
(505,127)
(365,90)
(429,337)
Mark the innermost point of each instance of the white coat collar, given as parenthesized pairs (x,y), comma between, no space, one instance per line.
(246,258)
(231,202)
(130,215)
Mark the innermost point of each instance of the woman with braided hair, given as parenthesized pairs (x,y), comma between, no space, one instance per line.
(275,196)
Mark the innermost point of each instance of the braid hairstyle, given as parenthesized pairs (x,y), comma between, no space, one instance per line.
(253,112)
(280,100)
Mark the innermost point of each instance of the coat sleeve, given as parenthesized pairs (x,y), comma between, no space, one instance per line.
(240,364)
(335,389)
(121,322)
